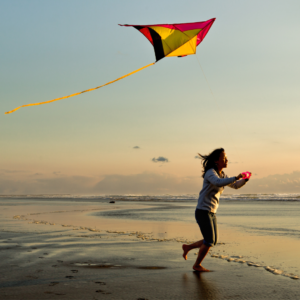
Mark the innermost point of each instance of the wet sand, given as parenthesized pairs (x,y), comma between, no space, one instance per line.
(83,257)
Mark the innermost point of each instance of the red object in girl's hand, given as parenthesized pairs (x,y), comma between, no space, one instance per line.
(246,175)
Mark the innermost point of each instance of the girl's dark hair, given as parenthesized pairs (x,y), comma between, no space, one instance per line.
(209,161)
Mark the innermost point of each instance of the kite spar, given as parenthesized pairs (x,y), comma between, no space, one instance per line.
(167,40)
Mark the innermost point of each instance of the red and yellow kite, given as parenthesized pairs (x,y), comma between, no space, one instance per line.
(175,39)
(167,39)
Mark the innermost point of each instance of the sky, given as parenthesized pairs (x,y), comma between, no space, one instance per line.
(141,135)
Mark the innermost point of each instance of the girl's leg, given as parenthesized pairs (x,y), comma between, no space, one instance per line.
(207,223)
(187,248)
(215,224)
(201,255)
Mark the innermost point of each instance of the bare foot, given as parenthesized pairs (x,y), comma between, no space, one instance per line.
(200,269)
(186,250)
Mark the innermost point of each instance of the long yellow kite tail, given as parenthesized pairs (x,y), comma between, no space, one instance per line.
(98,87)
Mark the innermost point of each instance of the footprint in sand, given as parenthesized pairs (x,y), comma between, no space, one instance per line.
(60,261)
(74,271)
(54,266)
(70,277)
(32,277)
(60,294)
(100,282)
(53,283)
(103,292)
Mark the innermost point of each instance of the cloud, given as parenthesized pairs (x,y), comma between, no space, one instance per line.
(67,184)
(160,159)
(12,171)
(136,147)
(59,185)
(147,184)
(56,172)
(142,183)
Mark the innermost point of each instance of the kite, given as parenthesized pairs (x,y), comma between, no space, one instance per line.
(167,40)
(174,39)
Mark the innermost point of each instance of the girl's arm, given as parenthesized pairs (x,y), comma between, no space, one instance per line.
(212,176)
(238,184)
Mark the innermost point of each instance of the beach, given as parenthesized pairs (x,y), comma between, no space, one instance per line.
(65,247)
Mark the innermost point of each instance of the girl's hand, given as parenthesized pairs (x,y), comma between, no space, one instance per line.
(246,175)
(239,176)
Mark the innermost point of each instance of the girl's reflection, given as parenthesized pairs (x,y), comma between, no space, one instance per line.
(199,286)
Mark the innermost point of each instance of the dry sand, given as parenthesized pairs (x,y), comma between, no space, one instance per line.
(84,257)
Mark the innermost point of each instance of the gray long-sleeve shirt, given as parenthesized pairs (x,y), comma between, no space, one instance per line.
(213,187)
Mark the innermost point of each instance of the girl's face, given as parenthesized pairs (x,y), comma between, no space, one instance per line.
(223,161)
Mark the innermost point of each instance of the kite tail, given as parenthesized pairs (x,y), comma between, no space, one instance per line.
(98,87)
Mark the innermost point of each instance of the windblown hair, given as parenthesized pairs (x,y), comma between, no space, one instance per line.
(209,161)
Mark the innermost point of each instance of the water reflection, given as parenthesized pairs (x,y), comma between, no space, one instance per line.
(200,286)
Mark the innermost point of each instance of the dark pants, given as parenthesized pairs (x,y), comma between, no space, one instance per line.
(207,222)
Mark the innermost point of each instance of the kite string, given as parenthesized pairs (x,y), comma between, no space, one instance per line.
(72,95)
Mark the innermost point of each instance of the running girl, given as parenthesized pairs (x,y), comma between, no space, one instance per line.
(213,185)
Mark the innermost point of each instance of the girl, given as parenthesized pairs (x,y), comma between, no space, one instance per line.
(213,185)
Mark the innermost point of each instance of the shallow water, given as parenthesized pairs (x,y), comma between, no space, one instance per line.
(264,218)
(262,214)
